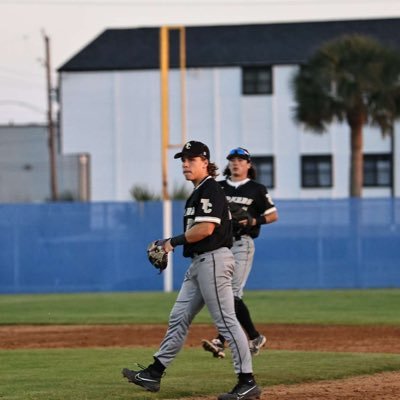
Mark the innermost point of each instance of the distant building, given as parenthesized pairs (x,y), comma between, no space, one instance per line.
(25,166)
(238,94)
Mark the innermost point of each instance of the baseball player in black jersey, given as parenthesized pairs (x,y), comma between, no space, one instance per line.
(242,191)
(207,239)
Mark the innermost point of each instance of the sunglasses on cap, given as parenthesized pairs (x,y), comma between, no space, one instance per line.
(239,152)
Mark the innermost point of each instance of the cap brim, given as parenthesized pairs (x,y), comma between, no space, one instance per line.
(238,156)
(178,155)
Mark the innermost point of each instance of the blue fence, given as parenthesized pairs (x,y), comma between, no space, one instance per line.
(76,247)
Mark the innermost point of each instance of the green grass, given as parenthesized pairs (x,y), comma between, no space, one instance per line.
(314,307)
(95,373)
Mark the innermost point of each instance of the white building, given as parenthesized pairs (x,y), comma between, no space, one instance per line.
(237,94)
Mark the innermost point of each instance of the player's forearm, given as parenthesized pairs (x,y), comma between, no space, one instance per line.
(194,234)
(266,218)
(199,231)
(271,217)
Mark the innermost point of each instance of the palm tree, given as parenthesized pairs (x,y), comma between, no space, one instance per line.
(351,79)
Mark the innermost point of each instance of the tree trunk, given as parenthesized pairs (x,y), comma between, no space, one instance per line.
(357,162)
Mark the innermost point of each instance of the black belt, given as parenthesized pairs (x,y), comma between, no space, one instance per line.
(197,254)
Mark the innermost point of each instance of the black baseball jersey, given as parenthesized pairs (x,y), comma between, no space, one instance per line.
(208,203)
(253,197)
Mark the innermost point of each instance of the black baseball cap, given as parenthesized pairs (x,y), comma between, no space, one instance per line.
(239,152)
(194,149)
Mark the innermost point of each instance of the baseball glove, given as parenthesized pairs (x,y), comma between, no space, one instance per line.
(239,214)
(157,255)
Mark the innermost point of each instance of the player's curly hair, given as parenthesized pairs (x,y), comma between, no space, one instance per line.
(251,173)
(212,169)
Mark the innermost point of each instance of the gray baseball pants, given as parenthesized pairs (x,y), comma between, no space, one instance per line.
(208,281)
(243,251)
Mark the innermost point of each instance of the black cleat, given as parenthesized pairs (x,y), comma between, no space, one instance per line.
(143,378)
(242,391)
(256,344)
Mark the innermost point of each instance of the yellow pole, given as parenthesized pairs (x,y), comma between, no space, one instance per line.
(167,214)
(165,144)
(182,62)
(164,70)
(164,66)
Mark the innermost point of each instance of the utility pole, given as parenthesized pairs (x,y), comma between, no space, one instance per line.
(50,124)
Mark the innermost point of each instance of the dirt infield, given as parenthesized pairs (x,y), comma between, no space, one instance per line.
(280,337)
(381,339)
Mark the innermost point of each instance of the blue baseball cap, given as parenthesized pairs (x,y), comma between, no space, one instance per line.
(239,152)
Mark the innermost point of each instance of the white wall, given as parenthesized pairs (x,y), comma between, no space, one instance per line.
(286,136)
(112,117)
(115,117)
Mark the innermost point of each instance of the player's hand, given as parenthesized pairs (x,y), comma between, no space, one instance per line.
(248,222)
(167,246)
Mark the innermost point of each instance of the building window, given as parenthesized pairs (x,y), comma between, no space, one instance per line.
(264,166)
(377,170)
(257,80)
(316,171)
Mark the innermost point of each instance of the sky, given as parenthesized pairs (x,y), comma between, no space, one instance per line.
(72,24)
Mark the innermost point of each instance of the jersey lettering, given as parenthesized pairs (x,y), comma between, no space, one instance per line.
(269,198)
(239,200)
(189,211)
(206,206)
(189,223)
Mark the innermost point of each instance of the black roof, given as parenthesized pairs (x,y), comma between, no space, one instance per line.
(224,45)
